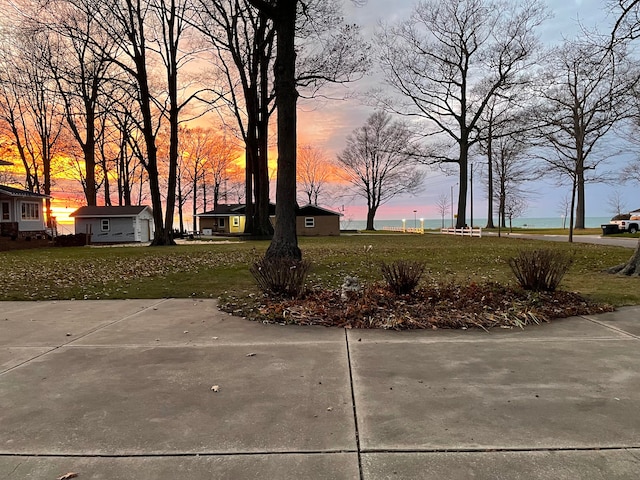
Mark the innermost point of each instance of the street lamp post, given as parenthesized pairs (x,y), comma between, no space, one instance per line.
(415,220)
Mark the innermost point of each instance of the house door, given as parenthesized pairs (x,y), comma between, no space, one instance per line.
(145,232)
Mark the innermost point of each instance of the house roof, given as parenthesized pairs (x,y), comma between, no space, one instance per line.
(99,212)
(232,210)
(239,209)
(18,192)
(224,210)
(316,211)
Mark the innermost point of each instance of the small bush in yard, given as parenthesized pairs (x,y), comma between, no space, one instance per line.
(402,276)
(281,276)
(540,270)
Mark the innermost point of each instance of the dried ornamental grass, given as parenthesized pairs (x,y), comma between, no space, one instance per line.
(540,270)
(280,276)
(402,276)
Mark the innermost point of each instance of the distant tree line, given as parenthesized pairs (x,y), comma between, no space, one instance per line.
(107,88)
(110,90)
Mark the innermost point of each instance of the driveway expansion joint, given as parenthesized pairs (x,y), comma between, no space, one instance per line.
(611,327)
(617,448)
(89,332)
(176,454)
(353,402)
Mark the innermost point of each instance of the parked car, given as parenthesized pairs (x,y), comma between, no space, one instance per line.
(627,222)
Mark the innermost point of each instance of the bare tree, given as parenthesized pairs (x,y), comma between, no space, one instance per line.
(124,138)
(510,171)
(443,204)
(284,14)
(146,34)
(564,207)
(627,24)
(80,71)
(616,202)
(626,28)
(514,208)
(314,171)
(379,162)
(243,39)
(446,63)
(585,92)
(31,106)
(206,159)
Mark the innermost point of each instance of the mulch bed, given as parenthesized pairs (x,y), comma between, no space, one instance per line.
(486,306)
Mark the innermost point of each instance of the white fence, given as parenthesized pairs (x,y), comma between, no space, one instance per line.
(465,232)
(403,230)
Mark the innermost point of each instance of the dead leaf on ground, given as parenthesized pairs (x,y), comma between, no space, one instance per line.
(67,476)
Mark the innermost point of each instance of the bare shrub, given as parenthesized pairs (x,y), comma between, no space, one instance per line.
(402,276)
(540,270)
(281,276)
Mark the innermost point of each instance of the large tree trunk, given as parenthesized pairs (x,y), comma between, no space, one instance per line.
(285,239)
(462,194)
(573,209)
(490,182)
(632,267)
(90,161)
(194,204)
(174,126)
(251,153)
(371,213)
(262,224)
(580,204)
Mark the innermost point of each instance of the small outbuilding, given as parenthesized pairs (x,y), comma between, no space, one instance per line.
(127,224)
(21,213)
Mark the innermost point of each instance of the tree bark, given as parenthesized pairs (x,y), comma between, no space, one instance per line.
(580,204)
(462,193)
(490,180)
(371,213)
(631,268)
(262,223)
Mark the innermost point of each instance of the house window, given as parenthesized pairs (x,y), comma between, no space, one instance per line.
(104,225)
(309,222)
(221,222)
(5,211)
(30,211)
(236,221)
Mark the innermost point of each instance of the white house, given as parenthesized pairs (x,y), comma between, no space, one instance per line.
(21,213)
(115,224)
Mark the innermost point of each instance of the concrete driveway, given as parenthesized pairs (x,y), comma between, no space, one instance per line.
(123,390)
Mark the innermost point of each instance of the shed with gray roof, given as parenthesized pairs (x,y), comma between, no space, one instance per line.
(125,224)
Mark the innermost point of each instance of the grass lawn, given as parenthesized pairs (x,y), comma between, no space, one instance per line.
(210,269)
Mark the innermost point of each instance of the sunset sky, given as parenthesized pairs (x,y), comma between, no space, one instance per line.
(326,123)
(330,124)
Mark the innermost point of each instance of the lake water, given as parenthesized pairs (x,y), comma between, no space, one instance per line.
(551,222)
